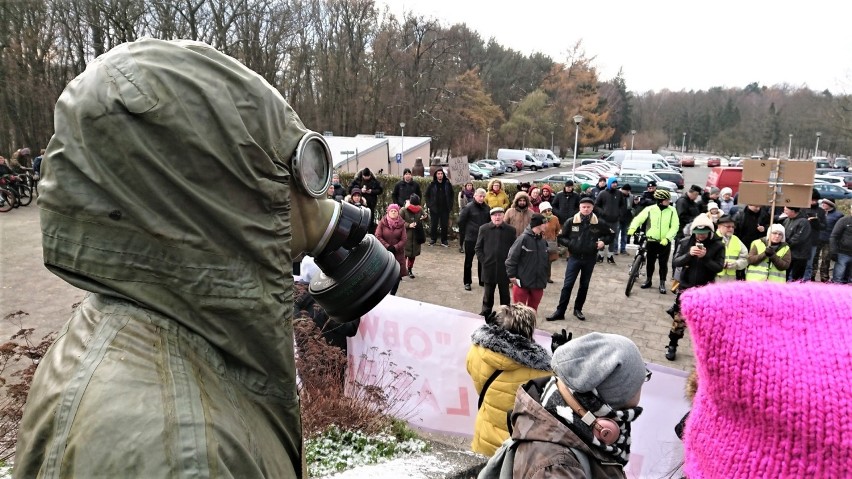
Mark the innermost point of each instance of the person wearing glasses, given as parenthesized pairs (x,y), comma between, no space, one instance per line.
(770,257)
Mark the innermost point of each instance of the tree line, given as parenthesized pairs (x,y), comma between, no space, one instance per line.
(350,67)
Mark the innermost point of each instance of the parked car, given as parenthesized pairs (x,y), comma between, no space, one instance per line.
(725,176)
(687,161)
(478,172)
(841,162)
(672,176)
(590,161)
(674,163)
(821,161)
(735,161)
(557,180)
(832,192)
(496,167)
(825,171)
(510,165)
(638,181)
(831,179)
(714,161)
(847,177)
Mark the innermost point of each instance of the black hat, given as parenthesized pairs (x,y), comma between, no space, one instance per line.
(815,194)
(569,183)
(366,172)
(652,183)
(725,219)
(586,199)
(524,184)
(406,171)
(627,187)
(415,200)
(537,220)
(695,189)
(793,208)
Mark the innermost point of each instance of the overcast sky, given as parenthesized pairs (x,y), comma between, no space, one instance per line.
(672,44)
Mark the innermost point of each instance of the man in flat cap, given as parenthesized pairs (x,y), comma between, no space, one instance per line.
(492,248)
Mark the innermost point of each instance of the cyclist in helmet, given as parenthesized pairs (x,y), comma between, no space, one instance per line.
(661,224)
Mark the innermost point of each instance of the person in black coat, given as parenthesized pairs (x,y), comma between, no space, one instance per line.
(701,256)
(439,199)
(610,207)
(527,264)
(567,203)
(584,235)
(471,218)
(371,189)
(406,187)
(492,248)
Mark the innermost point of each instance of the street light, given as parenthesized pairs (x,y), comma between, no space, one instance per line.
(551,141)
(487,141)
(401,147)
(816,148)
(683,145)
(632,137)
(577,120)
(790,146)
(524,140)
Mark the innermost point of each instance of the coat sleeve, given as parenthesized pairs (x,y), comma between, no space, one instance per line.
(380,234)
(462,222)
(638,220)
(799,234)
(395,193)
(783,263)
(742,259)
(514,257)
(682,257)
(480,244)
(716,263)
(753,256)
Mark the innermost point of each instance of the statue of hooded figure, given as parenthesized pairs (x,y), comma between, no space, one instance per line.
(177,189)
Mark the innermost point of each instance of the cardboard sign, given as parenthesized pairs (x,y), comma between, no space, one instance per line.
(459,171)
(784,182)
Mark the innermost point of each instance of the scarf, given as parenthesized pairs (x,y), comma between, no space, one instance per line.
(553,402)
(468,194)
(394,224)
(414,208)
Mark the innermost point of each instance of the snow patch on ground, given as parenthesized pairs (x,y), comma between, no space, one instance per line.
(412,467)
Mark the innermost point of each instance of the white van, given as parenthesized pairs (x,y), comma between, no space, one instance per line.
(645,163)
(617,156)
(544,155)
(523,155)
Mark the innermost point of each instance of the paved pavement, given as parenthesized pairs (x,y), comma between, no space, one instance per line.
(26,285)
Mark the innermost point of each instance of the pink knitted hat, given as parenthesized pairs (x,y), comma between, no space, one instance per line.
(774,380)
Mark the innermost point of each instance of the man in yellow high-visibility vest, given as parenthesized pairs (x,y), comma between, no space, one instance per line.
(736,253)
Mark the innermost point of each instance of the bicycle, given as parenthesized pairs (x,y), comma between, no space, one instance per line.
(638,261)
(7,200)
(30,180)
(22,195)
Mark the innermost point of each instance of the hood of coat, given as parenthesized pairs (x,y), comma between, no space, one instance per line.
(519,195)
(168,184)
(514,346)
(703,220)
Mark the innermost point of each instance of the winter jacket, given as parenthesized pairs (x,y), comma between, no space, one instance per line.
(610,206)
(339,192)
(464,200)
(371,184)
(736,253)
(439,195)
(797,231)
(527,260)
(500,198)
(519,218)
(544,448)
(566,205)
(179,362)
(581,237)
(768,268)
(335,333)
(746,222)
(472,217)
(687,210)
(550,234)
(520,359)
(699,271)
(831,218)
(816,220)
(393,236)
(492,249)
(403,190)
(841,237)
(413,214)
(662,224)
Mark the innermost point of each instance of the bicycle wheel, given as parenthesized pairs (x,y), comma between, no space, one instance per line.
(26,195)
(7,199)
(638,262)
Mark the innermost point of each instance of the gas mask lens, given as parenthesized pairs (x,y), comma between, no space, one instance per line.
(312,164)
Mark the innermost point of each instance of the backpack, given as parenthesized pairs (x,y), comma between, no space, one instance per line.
(501,464)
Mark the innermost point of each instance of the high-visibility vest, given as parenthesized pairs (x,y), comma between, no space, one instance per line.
(732,254)
(766,270)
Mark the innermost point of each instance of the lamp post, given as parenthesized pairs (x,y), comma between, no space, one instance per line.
(524,140)
(401,148)
(790,146)
(577,120)
(632,137)
(816,148)
(487,142)
(683,145)
(551,141)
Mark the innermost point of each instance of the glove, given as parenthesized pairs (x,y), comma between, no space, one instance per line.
(558,339)
(491,318)
(770,251)
(664,241)
(392,248)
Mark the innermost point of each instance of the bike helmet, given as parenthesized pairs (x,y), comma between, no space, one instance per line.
(661,195)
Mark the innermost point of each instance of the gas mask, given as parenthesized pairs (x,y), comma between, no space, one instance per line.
(357,271)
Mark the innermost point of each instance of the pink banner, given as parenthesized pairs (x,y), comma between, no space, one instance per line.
(424,347)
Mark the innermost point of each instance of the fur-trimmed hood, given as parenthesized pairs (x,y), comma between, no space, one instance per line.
(519,195)
(514,346)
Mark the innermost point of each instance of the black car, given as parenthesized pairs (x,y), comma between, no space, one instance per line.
(672,176)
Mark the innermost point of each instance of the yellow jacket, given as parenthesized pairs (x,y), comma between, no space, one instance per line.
(520,359)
